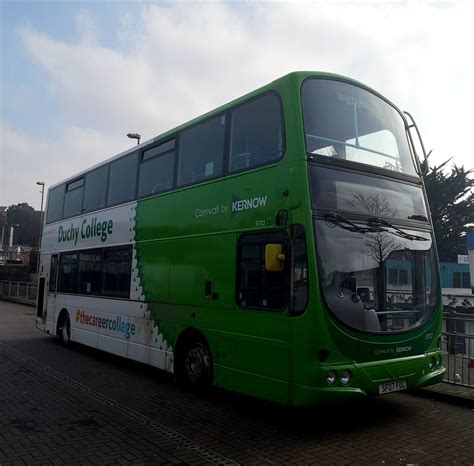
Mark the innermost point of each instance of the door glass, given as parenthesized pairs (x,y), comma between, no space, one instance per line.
(53,273)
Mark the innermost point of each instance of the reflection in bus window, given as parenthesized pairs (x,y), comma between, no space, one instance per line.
(352,192)
(359,276)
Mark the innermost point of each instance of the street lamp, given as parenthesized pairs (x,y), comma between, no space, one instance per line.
(10,244)
(135,136)
(15,225)
(40,183)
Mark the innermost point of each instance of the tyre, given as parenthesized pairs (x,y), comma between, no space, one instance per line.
(64,329)
(194,368)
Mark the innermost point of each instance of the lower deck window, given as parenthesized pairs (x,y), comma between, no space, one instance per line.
(68,276)
(100,272)
(116,272)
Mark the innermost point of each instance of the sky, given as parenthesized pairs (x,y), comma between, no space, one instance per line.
(76,77)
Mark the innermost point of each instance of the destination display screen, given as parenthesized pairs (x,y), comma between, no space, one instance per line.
(352,192)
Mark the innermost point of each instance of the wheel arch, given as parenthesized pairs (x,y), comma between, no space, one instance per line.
(62,313)
(188,336)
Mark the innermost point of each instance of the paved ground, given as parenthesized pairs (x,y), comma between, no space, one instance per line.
(82,406)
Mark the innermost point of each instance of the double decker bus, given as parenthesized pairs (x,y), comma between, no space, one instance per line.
(254,249)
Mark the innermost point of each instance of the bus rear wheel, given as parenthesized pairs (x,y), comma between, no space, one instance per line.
(194,365)
(64,329)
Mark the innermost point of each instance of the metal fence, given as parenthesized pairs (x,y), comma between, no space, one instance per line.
(457,344)
(23,292)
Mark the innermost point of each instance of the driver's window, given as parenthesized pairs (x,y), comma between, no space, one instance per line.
(258,288)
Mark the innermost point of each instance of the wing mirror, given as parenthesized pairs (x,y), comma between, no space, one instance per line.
(274,257)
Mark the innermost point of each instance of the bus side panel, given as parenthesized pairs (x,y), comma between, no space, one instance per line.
(85,337)
(251,354)
(255,365)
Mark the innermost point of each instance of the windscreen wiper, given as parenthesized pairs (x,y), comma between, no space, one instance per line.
(346,224)
(396,231)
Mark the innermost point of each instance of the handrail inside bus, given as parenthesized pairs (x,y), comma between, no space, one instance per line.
(313,136)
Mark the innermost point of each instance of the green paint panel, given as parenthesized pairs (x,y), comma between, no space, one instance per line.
(186,244)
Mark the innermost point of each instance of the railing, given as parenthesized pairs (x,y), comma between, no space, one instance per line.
(23,292)
(457,344)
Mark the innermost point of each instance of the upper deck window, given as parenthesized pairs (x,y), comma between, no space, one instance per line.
(256,133)
(346,122)
(73,198)
(123,179)
(157,169)
(201,151)
(55,204)
(96,189)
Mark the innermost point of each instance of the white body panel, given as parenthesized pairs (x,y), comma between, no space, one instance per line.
(102,228)
(119,326)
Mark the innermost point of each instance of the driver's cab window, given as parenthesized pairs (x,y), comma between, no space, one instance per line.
(257,287)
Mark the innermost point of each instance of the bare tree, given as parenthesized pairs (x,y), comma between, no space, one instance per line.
(381,245)
(373,204)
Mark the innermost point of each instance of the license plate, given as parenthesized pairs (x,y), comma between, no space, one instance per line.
(390,387)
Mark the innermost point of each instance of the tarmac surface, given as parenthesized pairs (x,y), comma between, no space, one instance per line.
(82,406)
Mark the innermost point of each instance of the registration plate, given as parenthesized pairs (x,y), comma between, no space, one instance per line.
(390,387)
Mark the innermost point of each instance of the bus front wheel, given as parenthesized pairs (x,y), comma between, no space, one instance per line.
(194,364)
(64,329)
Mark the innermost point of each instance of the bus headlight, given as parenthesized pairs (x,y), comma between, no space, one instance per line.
(432,363)
(345,377)
(331,378)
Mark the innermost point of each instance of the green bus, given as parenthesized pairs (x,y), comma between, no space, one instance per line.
(253,249)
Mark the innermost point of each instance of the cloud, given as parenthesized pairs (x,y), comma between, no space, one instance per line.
(26,160)
(173,62)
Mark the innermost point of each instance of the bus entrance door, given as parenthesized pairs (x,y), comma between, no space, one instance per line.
(40,304)
(51,275)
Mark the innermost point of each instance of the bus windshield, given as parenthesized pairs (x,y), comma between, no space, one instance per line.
(346,122)
(374,278)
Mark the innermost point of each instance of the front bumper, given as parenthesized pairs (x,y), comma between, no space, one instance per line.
(366,379)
